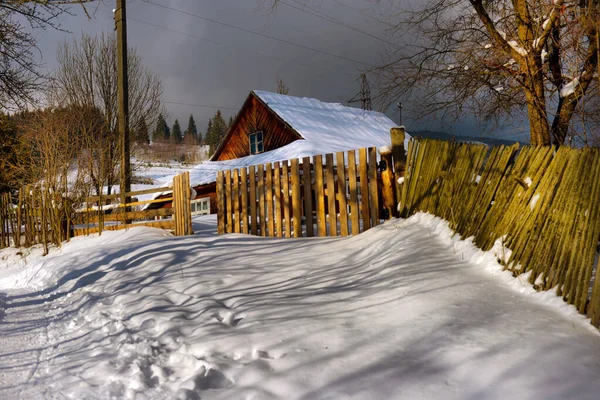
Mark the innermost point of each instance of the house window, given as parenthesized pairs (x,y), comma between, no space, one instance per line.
(200,206)
(256,142)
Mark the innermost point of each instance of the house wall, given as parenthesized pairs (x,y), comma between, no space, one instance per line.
(255,116)
(208,190)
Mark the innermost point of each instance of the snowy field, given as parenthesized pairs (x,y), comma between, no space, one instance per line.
(402,311)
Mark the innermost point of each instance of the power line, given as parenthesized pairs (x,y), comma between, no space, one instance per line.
(356,10)
(257,33)
(200,105)
(232,46)
(319,14)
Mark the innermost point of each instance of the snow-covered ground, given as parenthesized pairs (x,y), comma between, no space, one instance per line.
(402,311)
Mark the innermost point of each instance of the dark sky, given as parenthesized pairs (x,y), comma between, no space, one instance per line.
(206,63)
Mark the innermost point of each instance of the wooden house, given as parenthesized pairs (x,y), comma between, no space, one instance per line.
(274,127)
(256,129)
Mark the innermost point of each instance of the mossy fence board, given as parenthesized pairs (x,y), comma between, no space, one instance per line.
(544,205)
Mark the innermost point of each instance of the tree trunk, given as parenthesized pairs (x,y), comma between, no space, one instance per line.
(560,124)
(536,107)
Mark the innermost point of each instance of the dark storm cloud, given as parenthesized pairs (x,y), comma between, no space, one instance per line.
(204,63)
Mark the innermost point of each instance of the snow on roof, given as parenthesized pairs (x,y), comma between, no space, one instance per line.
(330,125)
(325,127)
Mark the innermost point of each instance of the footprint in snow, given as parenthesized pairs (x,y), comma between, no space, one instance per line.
(203,379)
(227,317)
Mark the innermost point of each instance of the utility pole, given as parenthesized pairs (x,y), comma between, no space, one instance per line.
(365,94)
(123,97)
(400,113)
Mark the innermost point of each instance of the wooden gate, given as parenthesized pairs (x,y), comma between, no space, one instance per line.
(324,195)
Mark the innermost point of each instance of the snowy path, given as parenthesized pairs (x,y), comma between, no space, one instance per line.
(398,312)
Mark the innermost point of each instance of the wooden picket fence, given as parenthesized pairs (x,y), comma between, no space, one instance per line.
(36,216)
(323,195)
(544,204)
(107,212)
(33,216)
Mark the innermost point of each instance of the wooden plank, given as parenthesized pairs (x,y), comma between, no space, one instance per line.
(244,196)
(365,207)
(320,196)
(277,190)
(3,230)
(19,217)
(235,192)
(353,202)
(137,203)
(165,224)
(296,204)
(285,181)
(93,199)
(387,186)
(177,206)
(80,218)
(221,203)
(188,204)
(374,199)
(261,200)
(308,203)
(43,220)
(269,200)
(330,188)
(228,202)
(414,162)
(397,136)
(252,200)
(341,193)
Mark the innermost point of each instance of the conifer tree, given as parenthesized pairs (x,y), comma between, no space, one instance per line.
(191,133)
(207,136)
(176,132)
(216,132)
(141,133)
(161,131)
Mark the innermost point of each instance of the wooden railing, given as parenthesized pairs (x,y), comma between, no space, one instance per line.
(37,216)
(108,213)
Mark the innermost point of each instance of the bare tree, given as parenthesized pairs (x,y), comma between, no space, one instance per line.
(12,152)
(19,75)
(87,77)
(282,88)
(498,58)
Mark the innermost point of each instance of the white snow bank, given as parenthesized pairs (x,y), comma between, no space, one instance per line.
(405,310)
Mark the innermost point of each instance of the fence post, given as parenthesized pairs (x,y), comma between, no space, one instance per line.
(388,187)
(308,204)
(399,158)
(181,204)
(187,206)
(220,202)
(296,204)
(3,234)
(374,202)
